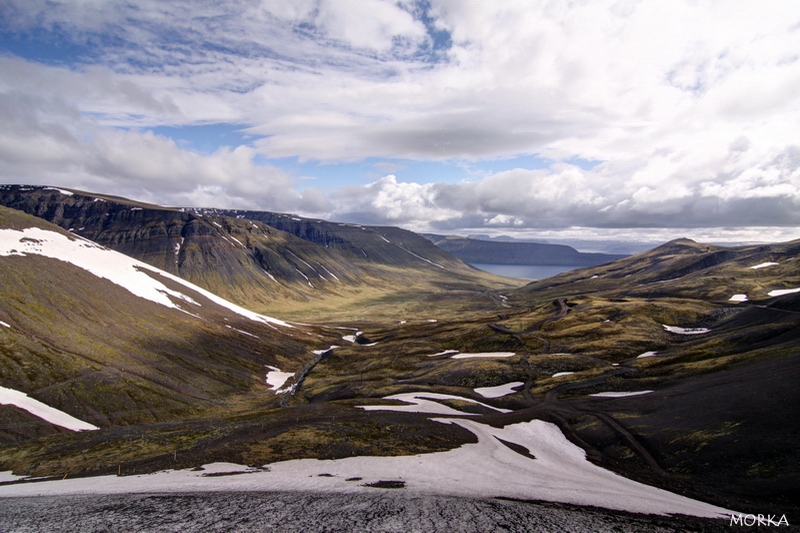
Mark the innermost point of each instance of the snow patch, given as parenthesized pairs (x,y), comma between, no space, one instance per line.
(307,280)
(781,292)
(422,258)
(420,402)
(686,331)
(241,331)
(62,191)
(352,338)
(481,355)
(500,390)
(276,379)
(43,411)
(320,352)
(647,354)
(446,352)
(4,324)
(560,374)
(328,271)
(612,394)
(738,298)
(764,265)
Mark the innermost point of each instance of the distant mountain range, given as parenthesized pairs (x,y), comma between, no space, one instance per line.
(510,252)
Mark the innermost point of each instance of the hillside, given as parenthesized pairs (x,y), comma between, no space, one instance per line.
(684,268)
(655,367)
(517,253)
(115,342)
(267,262)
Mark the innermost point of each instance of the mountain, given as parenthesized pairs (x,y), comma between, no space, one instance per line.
(115,342)
(517,253)
(684,268)
(713,332)
(268,262)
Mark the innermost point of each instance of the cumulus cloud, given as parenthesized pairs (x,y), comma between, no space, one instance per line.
(567,195)
(690,107)
(37,147)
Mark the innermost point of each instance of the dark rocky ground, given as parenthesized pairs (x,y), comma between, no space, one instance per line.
(385,511)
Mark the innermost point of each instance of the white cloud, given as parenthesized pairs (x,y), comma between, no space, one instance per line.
(372,24)
(36,147)
(692,107)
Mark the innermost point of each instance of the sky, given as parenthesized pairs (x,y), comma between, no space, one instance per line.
(558,120)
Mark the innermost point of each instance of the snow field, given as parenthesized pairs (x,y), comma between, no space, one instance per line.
(126,272)
(486,469)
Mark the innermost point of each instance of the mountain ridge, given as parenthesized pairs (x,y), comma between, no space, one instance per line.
(269,262)
(517,253)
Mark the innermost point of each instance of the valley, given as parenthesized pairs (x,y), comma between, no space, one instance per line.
(663,383)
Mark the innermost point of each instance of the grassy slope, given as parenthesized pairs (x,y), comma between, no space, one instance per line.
(678,437)
(87,346)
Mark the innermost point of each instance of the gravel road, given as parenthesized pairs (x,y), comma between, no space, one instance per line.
(388,510)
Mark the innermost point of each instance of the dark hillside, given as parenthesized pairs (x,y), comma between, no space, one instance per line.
(376,244)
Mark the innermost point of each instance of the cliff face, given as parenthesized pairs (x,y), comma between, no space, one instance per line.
(518,253)
(236,258)
(252,258)
(374,244)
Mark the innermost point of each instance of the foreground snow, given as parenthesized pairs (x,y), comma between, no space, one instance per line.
(43,411)
(486,469)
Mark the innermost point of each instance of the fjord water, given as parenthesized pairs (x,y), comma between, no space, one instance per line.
(524,271)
